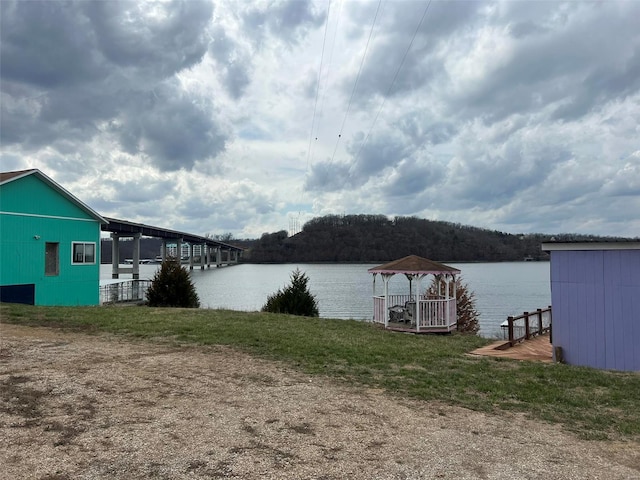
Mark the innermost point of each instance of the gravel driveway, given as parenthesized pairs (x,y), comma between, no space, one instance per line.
(77,406)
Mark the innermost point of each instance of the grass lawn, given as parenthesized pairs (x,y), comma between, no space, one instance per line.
(594,404)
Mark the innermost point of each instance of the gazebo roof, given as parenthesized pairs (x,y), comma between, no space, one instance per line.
(414,264)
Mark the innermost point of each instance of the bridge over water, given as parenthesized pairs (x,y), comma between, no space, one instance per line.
(211,251)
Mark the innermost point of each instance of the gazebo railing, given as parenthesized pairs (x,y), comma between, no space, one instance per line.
(378,309)
(394,301)
(437,313)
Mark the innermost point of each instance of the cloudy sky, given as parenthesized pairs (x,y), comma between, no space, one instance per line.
(244,117)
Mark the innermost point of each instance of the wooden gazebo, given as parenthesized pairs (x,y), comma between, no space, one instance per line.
(416,312)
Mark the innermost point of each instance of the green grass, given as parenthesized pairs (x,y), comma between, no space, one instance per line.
(592,403)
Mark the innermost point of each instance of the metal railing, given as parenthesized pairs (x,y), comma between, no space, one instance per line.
(527,325)
(127,291)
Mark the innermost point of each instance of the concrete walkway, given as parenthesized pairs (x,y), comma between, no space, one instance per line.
(537,349)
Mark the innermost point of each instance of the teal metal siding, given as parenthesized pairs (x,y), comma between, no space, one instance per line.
(23,238)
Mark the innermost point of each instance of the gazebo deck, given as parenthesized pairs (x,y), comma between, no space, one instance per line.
(402,328)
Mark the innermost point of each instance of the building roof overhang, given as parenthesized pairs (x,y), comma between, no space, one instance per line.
(590,246)
(7,177)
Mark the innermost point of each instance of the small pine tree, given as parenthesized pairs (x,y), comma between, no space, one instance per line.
(295,299)
(467,321)
(172,287)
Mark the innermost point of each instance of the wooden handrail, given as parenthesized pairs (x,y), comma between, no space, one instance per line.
(527,328)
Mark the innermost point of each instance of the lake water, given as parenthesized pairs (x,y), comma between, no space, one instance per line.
(345,290)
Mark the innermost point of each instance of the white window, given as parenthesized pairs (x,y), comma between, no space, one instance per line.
(82,252)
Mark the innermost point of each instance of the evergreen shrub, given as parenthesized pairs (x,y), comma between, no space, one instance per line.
(172,287)
(295,299)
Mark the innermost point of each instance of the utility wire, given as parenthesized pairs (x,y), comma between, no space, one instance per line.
(315,105)
(333,46)
(355,84)
(395,77)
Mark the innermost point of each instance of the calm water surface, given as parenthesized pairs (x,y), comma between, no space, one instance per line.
(345,290)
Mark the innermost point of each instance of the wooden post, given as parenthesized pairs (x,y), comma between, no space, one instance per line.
(510,326)
(526,325)
(539,321)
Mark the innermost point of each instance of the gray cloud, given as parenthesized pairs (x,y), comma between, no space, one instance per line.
(288,20)
(579,59)
(160,39)
(196,114)
(70,68)
(327,176)
(170,129)
(413,177)
(366,161)
(233,59)
(397,24)
(421,129)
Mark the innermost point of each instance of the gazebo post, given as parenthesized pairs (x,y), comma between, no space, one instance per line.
(418,306)
(385,279)
(446,299)
(455,298)
(374,296)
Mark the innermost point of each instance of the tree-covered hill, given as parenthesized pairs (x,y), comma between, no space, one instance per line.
(374,238)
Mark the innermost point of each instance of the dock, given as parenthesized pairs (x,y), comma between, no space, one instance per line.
(537,349)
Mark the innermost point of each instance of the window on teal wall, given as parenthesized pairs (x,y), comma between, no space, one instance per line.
(83,253)
(51,259)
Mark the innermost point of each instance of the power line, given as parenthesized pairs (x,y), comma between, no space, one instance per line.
(326,80)
(395,77)
(315,105)
(355,84)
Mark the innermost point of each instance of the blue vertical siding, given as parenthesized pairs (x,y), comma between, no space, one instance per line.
(596,307)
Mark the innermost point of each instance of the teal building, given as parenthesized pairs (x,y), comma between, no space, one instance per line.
(49,243)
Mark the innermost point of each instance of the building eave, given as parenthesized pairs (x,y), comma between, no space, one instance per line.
(7,177)
(590,246)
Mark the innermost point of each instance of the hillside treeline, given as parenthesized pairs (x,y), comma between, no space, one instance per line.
(373,238)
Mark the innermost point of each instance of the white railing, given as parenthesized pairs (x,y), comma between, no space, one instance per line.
(434,312)
(438,313)
(378,310)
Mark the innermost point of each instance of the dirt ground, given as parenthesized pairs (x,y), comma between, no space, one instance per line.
(76,406)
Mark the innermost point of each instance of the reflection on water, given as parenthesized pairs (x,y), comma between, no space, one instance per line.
(345,290)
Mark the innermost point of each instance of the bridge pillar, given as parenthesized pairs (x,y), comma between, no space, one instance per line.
(115,255)
(179,250)
(163,249)
(218,256)
(136,256)
(191,251)
(203,255)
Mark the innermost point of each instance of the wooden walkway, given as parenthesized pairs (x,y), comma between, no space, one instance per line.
(537,349)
